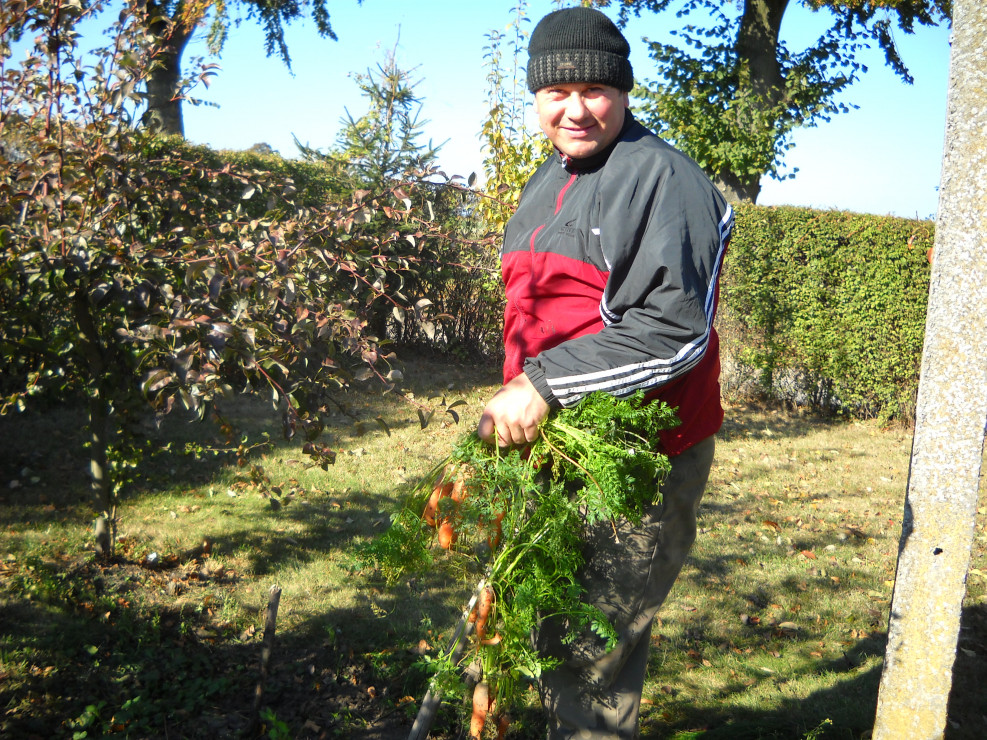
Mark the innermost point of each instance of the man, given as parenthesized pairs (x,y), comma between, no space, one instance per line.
(611,267)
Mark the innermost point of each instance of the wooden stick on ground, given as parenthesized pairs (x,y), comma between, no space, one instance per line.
(432,700)
(270,622)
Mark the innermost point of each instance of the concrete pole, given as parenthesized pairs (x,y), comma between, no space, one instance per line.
(941,501)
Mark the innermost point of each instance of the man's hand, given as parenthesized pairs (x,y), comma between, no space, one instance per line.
(513,414)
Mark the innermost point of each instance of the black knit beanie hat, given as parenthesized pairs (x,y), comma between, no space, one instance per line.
(578,45)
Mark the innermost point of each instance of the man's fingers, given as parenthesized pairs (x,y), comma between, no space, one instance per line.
(508,435)
(485,429)
(513,414)
(521,434)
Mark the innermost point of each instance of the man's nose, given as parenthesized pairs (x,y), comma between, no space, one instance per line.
(575,107)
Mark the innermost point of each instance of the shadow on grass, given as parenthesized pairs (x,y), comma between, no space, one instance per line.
(844,710)
(849,705)
(44,465)
(162,672)
(80,656)
(754,423)
(968,698)
(106,650)
(157,671)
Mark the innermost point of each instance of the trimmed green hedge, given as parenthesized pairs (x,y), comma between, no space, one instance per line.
(314,183)
(832,301)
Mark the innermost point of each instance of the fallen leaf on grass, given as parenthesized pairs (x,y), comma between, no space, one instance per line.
(809,554)
(773,525)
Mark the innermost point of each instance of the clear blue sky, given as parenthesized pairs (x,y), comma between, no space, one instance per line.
(882,158)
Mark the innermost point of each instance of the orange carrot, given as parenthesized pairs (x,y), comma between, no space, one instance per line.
(502,724)
(494,531)
(458,492)
(440,491)
(433,503)
(447,535)
(481,703)
(483,609)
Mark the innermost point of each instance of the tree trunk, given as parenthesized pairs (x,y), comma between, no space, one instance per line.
(104,531)
(757,52)
(164,82)
(164,106)
(91,356)
(736,190)
(757,47)
(941,500)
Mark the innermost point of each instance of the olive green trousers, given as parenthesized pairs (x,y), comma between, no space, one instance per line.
(596,693)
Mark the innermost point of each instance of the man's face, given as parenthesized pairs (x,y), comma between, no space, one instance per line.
(581,118)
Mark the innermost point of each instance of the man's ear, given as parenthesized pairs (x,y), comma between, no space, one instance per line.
(627,100)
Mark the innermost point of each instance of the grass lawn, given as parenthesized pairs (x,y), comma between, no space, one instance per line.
(775,629)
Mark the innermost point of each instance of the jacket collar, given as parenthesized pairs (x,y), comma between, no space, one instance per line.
(584,164)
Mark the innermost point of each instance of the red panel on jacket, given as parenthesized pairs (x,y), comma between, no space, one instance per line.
(550,298)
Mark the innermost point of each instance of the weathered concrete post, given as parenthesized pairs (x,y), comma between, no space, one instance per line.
(947,449)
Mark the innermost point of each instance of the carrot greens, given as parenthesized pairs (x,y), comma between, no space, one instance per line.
(518,516)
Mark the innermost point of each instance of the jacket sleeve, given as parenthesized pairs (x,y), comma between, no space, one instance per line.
(663,231)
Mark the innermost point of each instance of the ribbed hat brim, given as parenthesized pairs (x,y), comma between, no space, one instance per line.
(579,65)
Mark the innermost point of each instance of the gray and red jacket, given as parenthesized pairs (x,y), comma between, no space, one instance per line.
(611,267)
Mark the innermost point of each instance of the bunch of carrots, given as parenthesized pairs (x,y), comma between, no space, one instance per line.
(517,515)
(452,488)
(441,512)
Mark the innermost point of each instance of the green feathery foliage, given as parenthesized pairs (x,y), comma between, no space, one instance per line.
(518,517)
